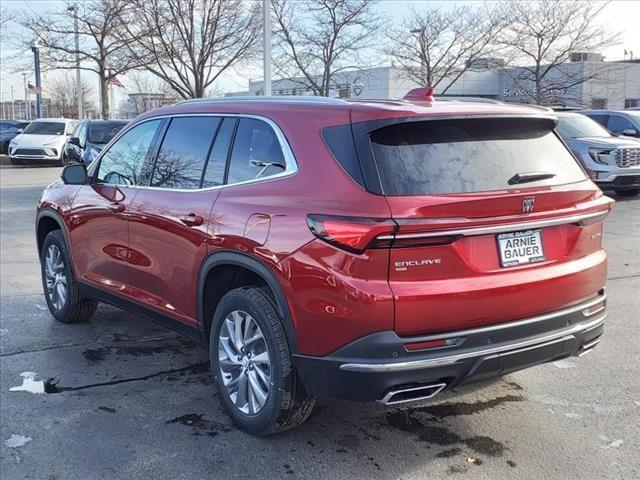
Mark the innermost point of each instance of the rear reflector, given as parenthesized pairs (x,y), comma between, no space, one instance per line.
(438,343)
(353,234)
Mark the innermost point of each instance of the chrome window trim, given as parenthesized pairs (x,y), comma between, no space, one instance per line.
(289,158)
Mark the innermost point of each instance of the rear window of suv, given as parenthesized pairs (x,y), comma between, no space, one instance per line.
(474,155)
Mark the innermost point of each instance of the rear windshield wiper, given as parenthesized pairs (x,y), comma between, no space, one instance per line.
(527,177)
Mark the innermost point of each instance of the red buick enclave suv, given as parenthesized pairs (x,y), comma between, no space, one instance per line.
(365,250)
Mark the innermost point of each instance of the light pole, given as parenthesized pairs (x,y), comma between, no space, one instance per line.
(13,106)
(266,27)
(74,8)
(420,33)
(36,63)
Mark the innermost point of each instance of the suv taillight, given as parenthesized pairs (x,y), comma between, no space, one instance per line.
(354,234)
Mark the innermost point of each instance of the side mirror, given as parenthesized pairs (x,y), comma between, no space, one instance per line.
(630,132)
(74,141)
(75,174)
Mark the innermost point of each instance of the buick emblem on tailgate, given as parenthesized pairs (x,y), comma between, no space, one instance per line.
(527,204)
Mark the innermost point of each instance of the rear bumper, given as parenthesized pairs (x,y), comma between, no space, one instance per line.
(379,367)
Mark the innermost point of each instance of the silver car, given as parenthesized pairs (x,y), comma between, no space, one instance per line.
(42,140)
(612,162)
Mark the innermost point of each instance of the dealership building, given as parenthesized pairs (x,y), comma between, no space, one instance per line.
(586,81)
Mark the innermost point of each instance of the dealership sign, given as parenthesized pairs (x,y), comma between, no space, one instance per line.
(522,92)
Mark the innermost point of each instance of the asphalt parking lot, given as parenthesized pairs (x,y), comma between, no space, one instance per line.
(128,399)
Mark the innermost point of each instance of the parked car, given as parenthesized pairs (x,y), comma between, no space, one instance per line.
(372,251)
(89,138)
(8,130)
(42,140)
(612,162)
(619,122)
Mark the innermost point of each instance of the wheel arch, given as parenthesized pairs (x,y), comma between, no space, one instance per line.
(229,258)
(47,221)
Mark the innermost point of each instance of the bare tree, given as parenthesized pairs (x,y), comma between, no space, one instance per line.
(190,43)
(543,35)
(100,50)
(62,92)
(435,47)
(6,18)
(318,39)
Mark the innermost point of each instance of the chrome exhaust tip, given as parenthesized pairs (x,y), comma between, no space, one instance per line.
(412,394)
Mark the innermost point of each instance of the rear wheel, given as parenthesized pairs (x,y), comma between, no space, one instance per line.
(628,193)
(251,363)
(64,300)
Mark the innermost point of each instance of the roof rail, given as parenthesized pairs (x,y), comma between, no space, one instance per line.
(263,99)
(469,99)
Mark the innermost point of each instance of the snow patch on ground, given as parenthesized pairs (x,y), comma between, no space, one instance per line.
(29,384)
(15,441)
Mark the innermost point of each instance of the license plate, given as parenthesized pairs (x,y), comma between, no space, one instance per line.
(520,248)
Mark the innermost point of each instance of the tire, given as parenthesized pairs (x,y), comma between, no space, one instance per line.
(628,193)
(63,297)
(4,148)
(287,405)
(15,161)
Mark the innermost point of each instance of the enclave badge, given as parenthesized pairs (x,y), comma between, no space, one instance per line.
(527,204)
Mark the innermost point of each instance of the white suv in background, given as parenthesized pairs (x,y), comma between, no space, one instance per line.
(42,140)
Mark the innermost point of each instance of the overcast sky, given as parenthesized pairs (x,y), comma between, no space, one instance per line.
(620,15)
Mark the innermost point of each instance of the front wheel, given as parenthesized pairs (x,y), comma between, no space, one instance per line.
(628,193)
(251,363)
(61,292)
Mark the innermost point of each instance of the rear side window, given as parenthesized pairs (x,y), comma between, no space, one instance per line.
(460,156)
(214,174)
(256,152)
(184,151)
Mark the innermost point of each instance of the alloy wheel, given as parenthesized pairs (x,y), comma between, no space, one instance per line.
(245,364)
(55,277)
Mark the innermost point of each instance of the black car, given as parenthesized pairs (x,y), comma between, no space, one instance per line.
(8,130)
(89,138)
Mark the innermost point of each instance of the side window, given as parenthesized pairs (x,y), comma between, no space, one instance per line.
(601,119)
(214,175)
(70,128)
(618,124)
(122,163)
(184,151)
(256,152)
(81,133)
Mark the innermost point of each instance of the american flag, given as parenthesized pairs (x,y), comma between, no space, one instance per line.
(33,88)
(114,81)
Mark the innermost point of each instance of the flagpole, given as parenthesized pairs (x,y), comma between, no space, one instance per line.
(24,83)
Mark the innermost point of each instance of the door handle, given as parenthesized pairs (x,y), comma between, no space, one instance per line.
(191,220)
(116,207)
